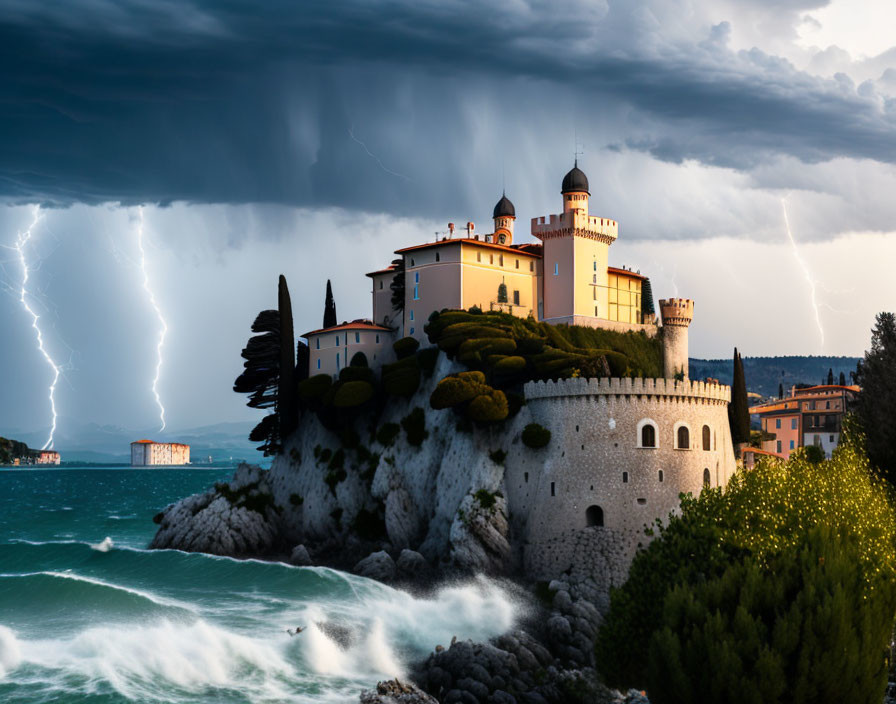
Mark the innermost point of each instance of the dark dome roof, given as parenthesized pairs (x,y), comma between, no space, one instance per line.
(504,208)
(575,180)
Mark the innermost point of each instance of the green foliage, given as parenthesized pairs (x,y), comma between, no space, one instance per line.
(414,425)
(402,378)
(369,525)
(11,450)
(739,409)
(287,404)
(814,453)
(515,401)
(798,629)
(335,470)
(793,564)
(405,347)
(261,378)
(315,387)
(458,389)
(329,308)
(875,407)
(497,456)
(397,286)
(249,497)
(357,374)
(387,433)
(352,394)
(486,499)
(488,407)
(426,360)
(535,436)
(647,307)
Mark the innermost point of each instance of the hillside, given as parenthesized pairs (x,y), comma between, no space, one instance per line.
(11,450)
(764,374)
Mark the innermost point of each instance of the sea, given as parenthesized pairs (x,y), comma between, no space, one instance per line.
(87,614)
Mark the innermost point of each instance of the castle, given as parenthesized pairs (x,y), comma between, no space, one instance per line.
(622,450)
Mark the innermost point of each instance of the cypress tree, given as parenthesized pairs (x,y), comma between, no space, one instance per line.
(261,378)
(647,299)
(830,377)
(842,379)
(287,401)
(329,308)
(738,409)
(781,390)
(876,403)
(398,285)
(302,359)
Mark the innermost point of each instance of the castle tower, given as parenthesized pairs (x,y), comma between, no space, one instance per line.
(504,215)
(677,314)
(576,254)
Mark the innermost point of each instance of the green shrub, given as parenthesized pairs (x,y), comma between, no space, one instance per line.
(402,378)
(387,433)
(509,364)
(486,499)
(369,525)
(325,455)
(357,374)
(814,453)
(333,477)
(457,389)
(405,347)
(426,360)
(785,584)
(536,436)
(489,407)
(337,461)
(497,456)
(315,387)
(353,393)
(414,425)
(515,401)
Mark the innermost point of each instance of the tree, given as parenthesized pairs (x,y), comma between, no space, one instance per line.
(875,406)
(261,377)
(786,580)
(842,379)
(329,308)
(303,357)
(398,285)
(780,390)
(738,409)
(830,377)
(287,400)
(647,307)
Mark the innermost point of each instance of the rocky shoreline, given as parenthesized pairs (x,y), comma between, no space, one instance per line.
(548,658)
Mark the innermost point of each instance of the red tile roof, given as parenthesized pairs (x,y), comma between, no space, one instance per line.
(518,249)
(625,272)
(354,325)
(143,442)
(388,270)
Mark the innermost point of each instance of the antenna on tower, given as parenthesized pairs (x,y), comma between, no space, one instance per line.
(578,153)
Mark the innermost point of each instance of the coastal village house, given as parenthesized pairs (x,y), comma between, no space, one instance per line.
(146,453)
(566,278)
(809,416)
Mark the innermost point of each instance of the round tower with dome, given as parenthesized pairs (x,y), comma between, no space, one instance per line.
(504,215)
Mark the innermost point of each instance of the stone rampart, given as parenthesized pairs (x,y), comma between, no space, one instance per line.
(615,386)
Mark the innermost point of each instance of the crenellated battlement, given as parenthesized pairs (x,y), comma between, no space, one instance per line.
(614,386)
(575,222)
(677,311)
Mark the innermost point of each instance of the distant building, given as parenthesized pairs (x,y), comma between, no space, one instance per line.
(146,453)
(46,457)
(809,416)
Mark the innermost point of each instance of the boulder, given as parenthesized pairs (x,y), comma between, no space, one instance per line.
(300,557)
(396,692)
(378,566)
(411,564)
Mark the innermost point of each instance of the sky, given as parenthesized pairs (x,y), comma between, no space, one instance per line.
(313,139)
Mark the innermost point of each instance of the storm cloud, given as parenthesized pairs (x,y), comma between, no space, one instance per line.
(402,107)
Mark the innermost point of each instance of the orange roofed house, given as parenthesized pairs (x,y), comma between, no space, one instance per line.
(562,277)
(809,416)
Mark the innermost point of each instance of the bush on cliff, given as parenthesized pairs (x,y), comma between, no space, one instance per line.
(314,387)
(352,394)
(402,378)
(750,593)
(405,347)
(489,407)
(535,436)
(414,424)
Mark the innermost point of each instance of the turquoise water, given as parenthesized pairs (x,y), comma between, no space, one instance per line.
(88,615)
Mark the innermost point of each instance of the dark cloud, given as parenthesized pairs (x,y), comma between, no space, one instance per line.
(259,102)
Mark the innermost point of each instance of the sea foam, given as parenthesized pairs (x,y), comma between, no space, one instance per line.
(10,653)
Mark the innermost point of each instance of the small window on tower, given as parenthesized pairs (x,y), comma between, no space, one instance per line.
(595,265)
(531,266)
(502,239)
(491,258)
(516,298)
(412,315)
(438,258)
(478,256)
(416,277)
(556,268)
(517,263)
(381,284)
(357,337)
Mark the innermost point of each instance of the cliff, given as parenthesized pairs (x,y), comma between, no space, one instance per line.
(11,450)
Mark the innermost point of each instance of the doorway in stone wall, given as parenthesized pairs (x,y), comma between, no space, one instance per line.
(594,516)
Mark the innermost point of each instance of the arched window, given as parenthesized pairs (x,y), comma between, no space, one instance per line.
(661,475)
(648,436)
(594,516)
(706,478)
(684,438)
(707,438)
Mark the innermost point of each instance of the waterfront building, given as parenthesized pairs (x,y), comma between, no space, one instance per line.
(146,453)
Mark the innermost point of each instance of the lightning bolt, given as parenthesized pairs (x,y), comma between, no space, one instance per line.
(796,253)
(374,156)
(163,326)
(21,242)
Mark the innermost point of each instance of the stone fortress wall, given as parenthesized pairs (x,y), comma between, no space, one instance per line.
(595,486)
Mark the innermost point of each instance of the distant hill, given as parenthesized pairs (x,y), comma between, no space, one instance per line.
(764,374)
(11,450)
